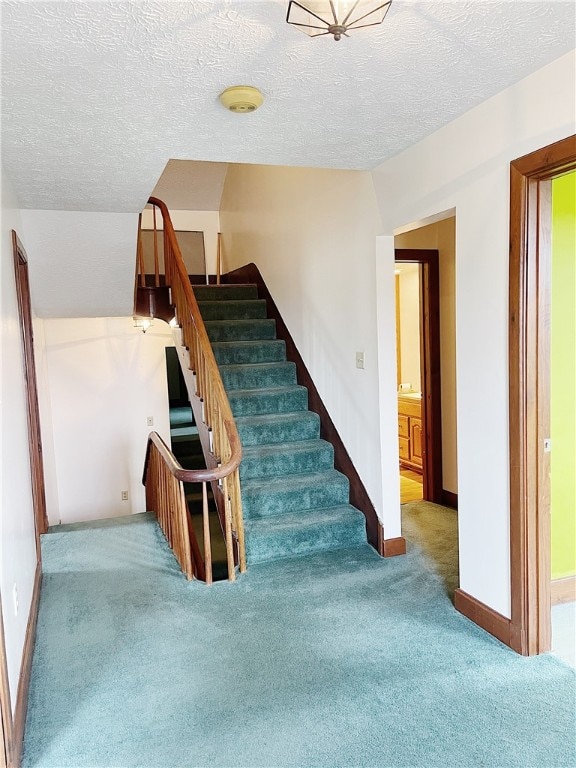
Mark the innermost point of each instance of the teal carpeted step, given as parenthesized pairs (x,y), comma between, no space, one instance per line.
(258,375)
(253,309)
(182,433)
(294,501)
(286,459)
(243,352)
(255,402)
(278,428)
(240,330)
(225,292)
(181,416)
(268,496)
(302,533)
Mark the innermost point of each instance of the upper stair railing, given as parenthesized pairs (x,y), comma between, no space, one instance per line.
(163,475)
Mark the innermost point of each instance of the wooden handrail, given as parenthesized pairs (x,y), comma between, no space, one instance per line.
(221,442)
(191,475)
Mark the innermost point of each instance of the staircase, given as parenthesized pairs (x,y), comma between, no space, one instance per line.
(294,501)
(186,447)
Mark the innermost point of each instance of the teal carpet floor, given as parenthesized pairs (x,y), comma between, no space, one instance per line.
(337,659)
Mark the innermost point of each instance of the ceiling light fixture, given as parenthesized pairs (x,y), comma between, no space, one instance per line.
(336,17)
(242,98)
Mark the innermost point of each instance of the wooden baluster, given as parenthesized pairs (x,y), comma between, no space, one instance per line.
(156,264)
(219,259)
(185,534)
(239,522)
(167,257)
(140,255)
(206,531)
(228,531)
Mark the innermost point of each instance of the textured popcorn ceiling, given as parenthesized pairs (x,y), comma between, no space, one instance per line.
(98,96)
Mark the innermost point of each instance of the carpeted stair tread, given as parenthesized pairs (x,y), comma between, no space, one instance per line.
(240,330)
(242,352)
(181,416)
(286,459)
(294,501)
(272,400)
(278,428)
(252,309)
(258,375)
(304,532)
(179,433)
(237,292)
(183,434)
(263,497)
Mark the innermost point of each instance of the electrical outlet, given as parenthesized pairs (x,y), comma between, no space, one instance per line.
(124,495)
(15,598)
(150,421)
(359,359)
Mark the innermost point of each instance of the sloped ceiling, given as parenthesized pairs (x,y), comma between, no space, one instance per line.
(186,185)
(98,96)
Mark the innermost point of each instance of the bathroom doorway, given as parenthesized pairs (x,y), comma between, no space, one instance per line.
(420,428)
(409,381)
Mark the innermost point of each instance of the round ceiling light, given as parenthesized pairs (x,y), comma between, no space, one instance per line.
(241,98)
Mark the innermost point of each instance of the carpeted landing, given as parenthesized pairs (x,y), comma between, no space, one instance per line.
(337,659)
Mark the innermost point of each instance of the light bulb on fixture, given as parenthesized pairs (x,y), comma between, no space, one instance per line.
(335,17)
(142,322)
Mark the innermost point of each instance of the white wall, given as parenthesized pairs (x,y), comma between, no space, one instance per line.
(82,263)
(465,166)
(104,379)
(313,233)
(193,221)
(17,538)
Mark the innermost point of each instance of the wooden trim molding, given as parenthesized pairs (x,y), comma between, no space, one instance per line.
(393,547)
(449,499)
(430,367)
(529,392)
(33,413)
(25,671)
(486,618)
(563,590)
(358,494)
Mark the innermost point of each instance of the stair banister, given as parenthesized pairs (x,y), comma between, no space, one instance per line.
(225,450)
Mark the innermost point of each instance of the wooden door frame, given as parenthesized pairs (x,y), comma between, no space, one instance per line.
(428,260)
(33,416)
(529,391)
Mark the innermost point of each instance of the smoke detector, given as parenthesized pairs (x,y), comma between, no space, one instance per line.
(241,98)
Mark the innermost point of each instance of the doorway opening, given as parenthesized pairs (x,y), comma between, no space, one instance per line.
(426,366)
(409,380)
(532,393)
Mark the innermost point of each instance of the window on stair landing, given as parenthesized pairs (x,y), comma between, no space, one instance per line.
(192,247)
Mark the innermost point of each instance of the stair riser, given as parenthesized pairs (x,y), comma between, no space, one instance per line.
(225,293)
(250,352)
(296,543)
(266,504)
(258,377)
(269,402)
(293,463)
(245,330)
(233,310)
(263,434)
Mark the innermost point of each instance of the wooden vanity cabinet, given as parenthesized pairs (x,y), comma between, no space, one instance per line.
(410,432)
